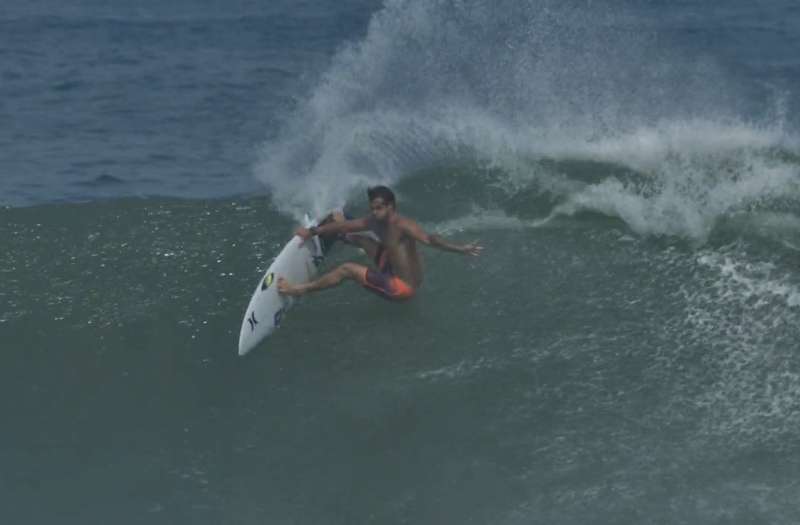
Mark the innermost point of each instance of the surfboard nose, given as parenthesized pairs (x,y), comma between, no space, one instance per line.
(245,342)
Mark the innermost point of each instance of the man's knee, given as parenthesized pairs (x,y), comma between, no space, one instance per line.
(350,270)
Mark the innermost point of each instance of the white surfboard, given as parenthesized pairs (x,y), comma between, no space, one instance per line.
(297,262)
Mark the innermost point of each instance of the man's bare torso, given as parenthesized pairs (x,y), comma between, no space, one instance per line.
(402,249)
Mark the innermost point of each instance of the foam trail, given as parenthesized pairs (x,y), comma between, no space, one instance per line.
(743,313)
(754,283)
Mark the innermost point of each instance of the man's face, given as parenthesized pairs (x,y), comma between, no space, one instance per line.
(379,209)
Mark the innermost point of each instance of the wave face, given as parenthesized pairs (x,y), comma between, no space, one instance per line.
(577,371)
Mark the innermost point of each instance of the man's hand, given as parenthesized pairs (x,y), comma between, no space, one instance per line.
(304,234)
(472,249)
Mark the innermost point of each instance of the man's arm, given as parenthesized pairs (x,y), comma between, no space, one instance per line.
(412,229)
(354,225)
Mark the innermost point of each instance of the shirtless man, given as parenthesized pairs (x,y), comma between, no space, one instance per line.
(399,269)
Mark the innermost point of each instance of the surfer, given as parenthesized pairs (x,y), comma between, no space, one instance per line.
(398,273)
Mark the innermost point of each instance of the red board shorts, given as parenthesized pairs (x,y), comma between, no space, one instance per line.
(383,281)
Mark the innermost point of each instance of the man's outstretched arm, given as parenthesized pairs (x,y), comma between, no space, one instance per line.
(413,229)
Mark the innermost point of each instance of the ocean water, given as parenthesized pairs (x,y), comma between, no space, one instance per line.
(624,351)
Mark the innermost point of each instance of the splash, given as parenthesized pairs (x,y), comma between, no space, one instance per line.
(438,79)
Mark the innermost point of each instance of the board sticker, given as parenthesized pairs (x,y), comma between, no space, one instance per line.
(267,281)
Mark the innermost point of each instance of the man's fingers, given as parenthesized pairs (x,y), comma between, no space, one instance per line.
(475,250)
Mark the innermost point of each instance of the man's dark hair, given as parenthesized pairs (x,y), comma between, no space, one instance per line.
(383,192)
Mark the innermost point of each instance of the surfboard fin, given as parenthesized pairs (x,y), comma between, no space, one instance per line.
(326,241)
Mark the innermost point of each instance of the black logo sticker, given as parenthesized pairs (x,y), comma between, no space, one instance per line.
(252,321)
(279,316)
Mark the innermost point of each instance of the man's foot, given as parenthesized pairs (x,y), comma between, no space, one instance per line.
(286,287)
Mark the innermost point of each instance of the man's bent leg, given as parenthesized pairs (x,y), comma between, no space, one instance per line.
(359,240)
(329,280)
(365,242)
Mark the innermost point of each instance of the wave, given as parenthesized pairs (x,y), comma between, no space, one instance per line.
(578,103)
(686,179)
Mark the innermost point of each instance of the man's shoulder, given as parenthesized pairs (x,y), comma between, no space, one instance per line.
(402,220)
(407,226)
